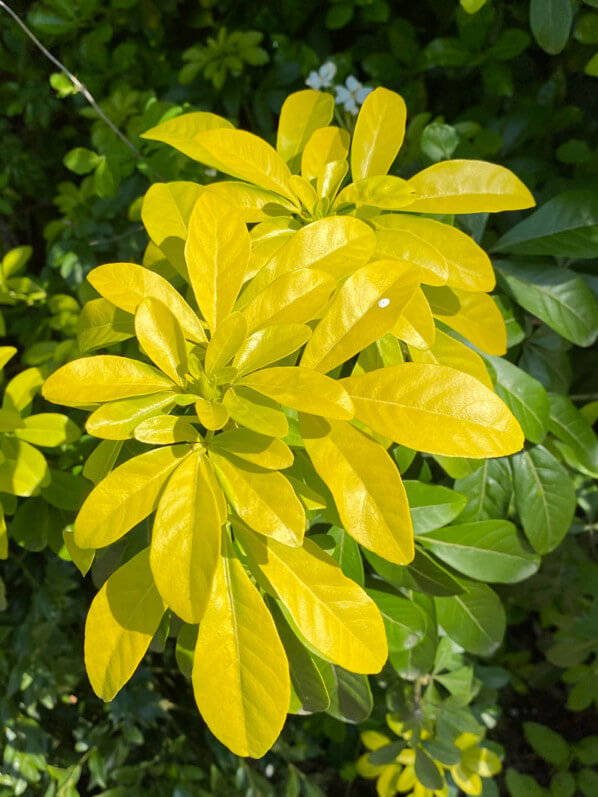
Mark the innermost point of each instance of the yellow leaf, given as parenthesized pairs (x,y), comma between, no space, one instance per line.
(302,113)
(101,461)
(126,496)
(117,420)
(24,470)
(467,266)
(379,133)
(105,377)
(337,245)
(126,285)
(305,192)
(82,558)
(482,761)
(365,308)
(102,324)
(428,262)
(255,411)
(332,612)
(473,315)
(253,203)
(330,179)
(365,484)
(6,354)
(383,191)
(367,770)
(324,146)
(3,535)
(247,157)
(221,503)
(186,540)
(212,414)
(263,499)
(267,452)
(468,186)
(302,389)
(435,409)
(165,214)
(292,298)
(269,345)
(225,342)
(470,782)
(217,253)
(416,323)
(240,673)
(166,430)
(121,622)
(161,338)
(181,133)
(265,247)
(448,351)
(21,390)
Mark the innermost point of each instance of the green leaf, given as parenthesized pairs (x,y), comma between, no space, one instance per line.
(587,781)
(488,490)
(586,750)
(550,22)
(488,550)
(101,324)
(404,621)
(423,574)
(568,424)
(557,296)
(547,743)
(432,506)
(524,395)
(565,226)
(475,620)
(544,497)
(439,141)
(344,550)
(519,785)
(81,160)
(427,771)
(350,694)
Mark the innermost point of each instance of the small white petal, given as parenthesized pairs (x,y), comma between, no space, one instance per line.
(351,106)
(363,93)
(383,302)
(352,83)
(342,95)
(327,72)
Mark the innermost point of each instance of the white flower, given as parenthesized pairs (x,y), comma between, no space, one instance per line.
(352,94)
(322,79)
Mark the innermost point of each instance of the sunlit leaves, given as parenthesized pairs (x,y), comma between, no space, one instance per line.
(378,133)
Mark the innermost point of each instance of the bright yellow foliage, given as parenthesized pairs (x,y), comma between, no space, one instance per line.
(307,343)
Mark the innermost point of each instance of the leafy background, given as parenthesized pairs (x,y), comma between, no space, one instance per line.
(512,82)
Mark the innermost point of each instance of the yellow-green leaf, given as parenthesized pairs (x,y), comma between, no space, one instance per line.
(467,266)
(324,146)
(105,377)
(257,412)
(127,284)
(337,245)
(254,204)
(225,342)
(267,452)
(468,186)
(379,133)
(212,414)
(165,213)
(166,430)
(383,191)
(117,420)
(428,262)
(448,351)
(161,338)
(6,354)
(217,253)
(247,157)
(365,308)
(186,540)
(101,324)
(262,498)
(436,409)
(22,389)
(365,484)
(82,558)
(330,179)
(473,315)
(269,345)
(48,429)
(24,471)
(121,622)
(126,496)
(301,114)
(332,612)
(302,389)
(181,133)
(240,672)
(416,323)
(10,420)
(292,298)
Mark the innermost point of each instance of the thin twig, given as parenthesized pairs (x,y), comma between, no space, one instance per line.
(74,80)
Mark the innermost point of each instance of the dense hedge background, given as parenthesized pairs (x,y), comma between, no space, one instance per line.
(509,83)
